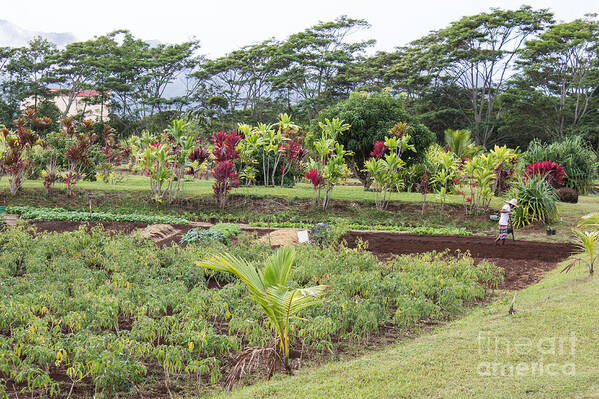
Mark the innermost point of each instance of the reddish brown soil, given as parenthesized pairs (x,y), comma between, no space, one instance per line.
(524,262)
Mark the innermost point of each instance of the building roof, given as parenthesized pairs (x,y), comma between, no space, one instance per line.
(82,93)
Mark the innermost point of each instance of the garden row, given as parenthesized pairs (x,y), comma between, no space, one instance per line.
(59,214)
(96,314)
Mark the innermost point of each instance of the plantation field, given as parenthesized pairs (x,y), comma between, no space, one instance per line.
(444,362)
(90,313)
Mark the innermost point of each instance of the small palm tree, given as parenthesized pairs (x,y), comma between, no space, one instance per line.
(588,241)
(459,142)
(268,288)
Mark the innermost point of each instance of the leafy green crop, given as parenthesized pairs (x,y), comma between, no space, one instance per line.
(205,236)
(116,314)
(228,229)
(33,213)
(422,230)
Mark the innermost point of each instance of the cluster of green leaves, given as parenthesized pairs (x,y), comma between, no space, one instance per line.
(204,236)
(33,213)
(110,314)
(537,202)
(219,233)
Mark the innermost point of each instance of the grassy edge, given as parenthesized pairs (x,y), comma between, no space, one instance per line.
(443,363)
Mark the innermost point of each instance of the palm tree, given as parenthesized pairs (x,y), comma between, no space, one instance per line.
(591,220)
(269,289)
(588,241)
(460,142)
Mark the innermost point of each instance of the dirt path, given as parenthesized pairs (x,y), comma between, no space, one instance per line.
(524,262)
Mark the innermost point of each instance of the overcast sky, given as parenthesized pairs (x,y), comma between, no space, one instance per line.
(222,26)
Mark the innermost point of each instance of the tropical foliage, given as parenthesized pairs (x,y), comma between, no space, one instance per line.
(537,202)
(121,314)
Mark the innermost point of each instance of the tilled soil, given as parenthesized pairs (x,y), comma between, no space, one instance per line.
(524,262)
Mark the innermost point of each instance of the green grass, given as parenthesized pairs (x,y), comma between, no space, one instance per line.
(444,362)
(136,183)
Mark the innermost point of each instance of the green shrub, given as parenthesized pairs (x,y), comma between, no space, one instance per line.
(228,229)
(204,236)
(573,154)
(537,202)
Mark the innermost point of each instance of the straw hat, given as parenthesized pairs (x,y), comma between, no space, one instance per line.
(513,202)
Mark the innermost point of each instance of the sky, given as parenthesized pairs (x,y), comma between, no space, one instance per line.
(223,26)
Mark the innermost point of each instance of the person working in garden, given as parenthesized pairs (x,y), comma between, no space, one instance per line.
(504,220)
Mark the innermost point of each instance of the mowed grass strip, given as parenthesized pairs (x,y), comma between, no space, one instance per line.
(454,361)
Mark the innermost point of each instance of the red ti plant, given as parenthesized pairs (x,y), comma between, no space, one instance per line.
(225,154)
(379,149)
(196,158)
(317,180)
(76,154)
(549,171)
(110,149)
(16,162)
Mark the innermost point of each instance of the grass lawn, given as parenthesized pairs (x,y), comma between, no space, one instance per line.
(448,361)
(140,184)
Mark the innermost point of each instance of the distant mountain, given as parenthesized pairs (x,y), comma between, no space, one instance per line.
(14,36)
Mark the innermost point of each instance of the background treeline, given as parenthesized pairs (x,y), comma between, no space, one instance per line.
(507,75)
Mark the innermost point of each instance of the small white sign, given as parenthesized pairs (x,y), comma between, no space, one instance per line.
(302,236)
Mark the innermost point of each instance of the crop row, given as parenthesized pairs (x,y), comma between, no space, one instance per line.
(421,230)
(33,213)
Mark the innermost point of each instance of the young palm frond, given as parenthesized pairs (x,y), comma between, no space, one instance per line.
(588,242)
(268,288)
(591,221)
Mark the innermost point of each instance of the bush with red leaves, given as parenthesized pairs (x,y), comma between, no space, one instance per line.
(225,154)
(16,161)
(76,154)
(379,149)
(548,170)
(315,177)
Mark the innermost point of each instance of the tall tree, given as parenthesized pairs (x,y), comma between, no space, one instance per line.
(478,53)
(563,64)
